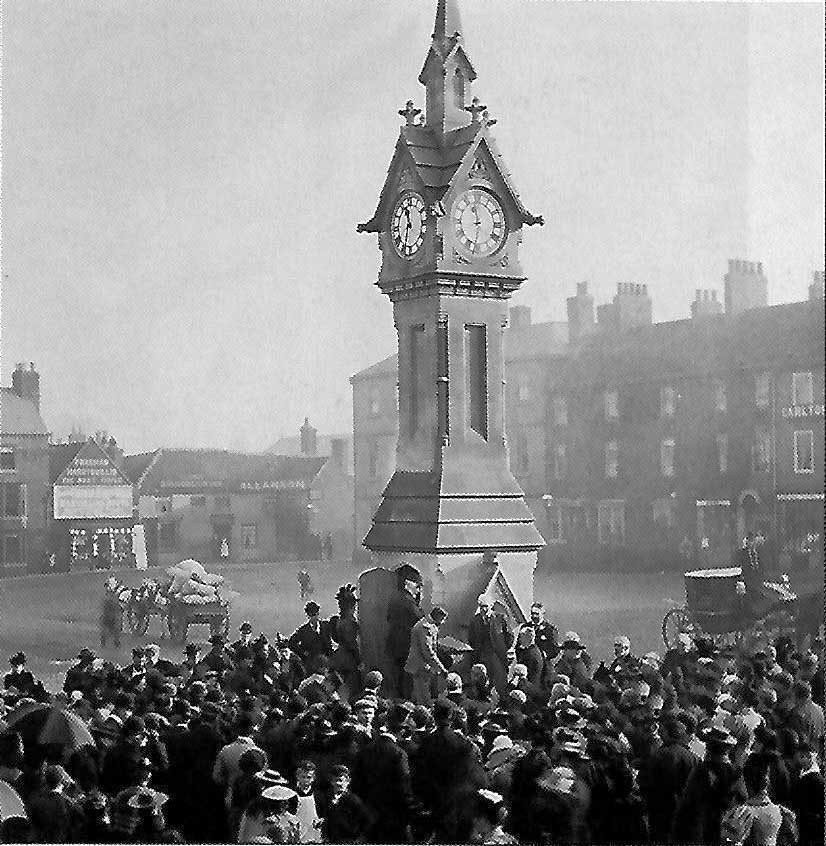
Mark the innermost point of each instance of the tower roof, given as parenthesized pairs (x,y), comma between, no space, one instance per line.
(448,19)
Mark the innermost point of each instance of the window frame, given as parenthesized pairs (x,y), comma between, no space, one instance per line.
(560,410)
(796,451)
(758,443)
(8,451)
(612,507)
(612,446)
(666,444)
(560,466)
(762,399)
(610,401)
(21,542)
(721,440)
(20,513)
(796,399)
(668,402)
(720,396)
(245,530)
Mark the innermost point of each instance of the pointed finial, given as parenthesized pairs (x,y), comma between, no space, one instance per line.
(409,112)
(490,121)
(448,21)
(475,108)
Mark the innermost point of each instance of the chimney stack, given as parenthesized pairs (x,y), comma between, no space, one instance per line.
(746,286)
(26,383)
(816,288)
(632,307)
(309,444)
(519,317)
(705,303)
(338,452)
(580,313)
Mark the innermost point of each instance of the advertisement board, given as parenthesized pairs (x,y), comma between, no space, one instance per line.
(92,501)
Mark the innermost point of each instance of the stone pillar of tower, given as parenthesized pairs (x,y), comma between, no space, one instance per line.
(449,224)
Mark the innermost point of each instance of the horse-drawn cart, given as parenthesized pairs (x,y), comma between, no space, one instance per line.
(717,605)
(181,615)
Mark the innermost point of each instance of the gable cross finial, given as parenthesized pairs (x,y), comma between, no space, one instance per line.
(490,121)
(475,108)
(409,112)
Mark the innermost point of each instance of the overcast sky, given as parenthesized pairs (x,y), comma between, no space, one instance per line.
(182,182)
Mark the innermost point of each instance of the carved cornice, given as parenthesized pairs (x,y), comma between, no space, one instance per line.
(458,285)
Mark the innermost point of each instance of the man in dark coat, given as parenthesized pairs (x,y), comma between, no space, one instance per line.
(663,777)
(490,638)
(81,675)
(381,779)
(244,639)
(125,758)
(403,613)
(217,659)
(546,634)
(20,679)
(445,764)
(807,797)
(312,640)
(709,791)
(346,819)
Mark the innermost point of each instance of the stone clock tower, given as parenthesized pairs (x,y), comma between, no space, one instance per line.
(449,224)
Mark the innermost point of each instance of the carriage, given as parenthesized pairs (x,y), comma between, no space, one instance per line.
(716,607)
(180,615)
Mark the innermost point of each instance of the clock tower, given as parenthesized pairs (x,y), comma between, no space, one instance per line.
(449,224)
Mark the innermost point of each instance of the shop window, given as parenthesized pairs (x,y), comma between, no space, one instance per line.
(611,521)
(12,551)
(610,401)
(560,406)
(560,461)
(249,536)
(197,501)
(168,536)
(761,451)
(667,448)
(722,453)
(803,389)
(762,389)
(14,499)
(668,401)
(804,451)
(7,463)
(720,396)
(611,460)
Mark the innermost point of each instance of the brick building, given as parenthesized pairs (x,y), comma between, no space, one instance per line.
(24,474)
(647,445)
(267,507)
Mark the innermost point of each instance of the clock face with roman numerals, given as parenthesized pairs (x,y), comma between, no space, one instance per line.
(479,222)
(407,225)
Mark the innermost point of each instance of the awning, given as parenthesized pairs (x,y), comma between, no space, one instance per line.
(800,497)
(712,502)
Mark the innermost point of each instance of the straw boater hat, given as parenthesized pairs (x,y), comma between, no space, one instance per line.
(571,640)
(146,799)
(278,793)
(271,778)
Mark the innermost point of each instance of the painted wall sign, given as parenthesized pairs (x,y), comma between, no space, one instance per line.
(86,501)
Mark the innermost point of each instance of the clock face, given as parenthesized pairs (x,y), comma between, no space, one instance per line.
(479,222)
(407,225)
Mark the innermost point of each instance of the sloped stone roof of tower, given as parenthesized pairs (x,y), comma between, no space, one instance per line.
(436,161)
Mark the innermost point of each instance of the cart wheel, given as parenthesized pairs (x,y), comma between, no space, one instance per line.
(675,622)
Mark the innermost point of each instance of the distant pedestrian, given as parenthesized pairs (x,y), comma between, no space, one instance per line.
(224,549)
(111,615)
(305,583)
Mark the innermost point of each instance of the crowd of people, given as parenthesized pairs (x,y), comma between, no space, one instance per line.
(523,740)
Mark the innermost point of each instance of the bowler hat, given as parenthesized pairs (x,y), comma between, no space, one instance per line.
(311,609)
(217,638)
(246,626)
(270,777)
(17,659)
(571,640)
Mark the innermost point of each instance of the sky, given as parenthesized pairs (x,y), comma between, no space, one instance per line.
(182,181)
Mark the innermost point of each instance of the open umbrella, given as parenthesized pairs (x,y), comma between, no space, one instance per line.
(11,805)
(41,723)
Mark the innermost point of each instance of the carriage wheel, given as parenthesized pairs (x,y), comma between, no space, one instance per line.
(675,622)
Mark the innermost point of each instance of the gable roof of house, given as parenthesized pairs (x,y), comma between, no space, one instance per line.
(19,416)
(199,469)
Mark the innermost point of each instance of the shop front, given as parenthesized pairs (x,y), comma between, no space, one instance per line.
(92,509)
(800,519)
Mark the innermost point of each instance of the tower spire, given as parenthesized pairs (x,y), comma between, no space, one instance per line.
(448,20)
(447,72)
